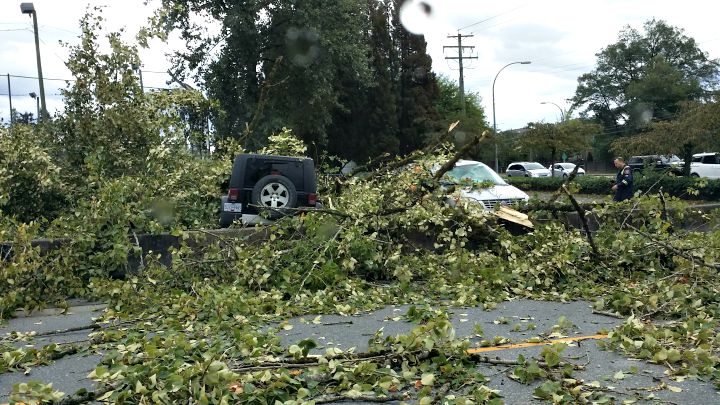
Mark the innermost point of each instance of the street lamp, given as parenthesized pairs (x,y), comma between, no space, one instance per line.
(28,8)
(527,62)
(562,113)
(37,102)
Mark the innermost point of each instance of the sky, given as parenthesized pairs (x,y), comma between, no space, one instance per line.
(559,37)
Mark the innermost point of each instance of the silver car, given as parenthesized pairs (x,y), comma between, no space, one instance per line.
(527,169)
(564,169)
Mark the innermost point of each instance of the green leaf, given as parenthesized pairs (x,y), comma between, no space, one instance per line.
(428,379)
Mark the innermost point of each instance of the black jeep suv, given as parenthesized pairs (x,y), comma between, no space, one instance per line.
(656,162)
(270,184)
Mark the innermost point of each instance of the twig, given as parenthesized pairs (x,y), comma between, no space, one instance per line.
(316,262)
(637,202)
(225,242)
(606,313)
(440,394)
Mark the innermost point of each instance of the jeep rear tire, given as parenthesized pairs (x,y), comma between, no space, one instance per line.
(273,193)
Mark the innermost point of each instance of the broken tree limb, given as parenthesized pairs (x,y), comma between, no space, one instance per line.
(504,362)
(462,152)
(409,158)
(583,220)
(676,251)
(567,181)
(305,209)
(327,399)
(606,313)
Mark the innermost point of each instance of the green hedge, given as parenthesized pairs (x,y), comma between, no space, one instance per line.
(681,187)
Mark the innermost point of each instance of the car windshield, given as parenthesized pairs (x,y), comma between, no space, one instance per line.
(567,165)
(533,166)
(476,172)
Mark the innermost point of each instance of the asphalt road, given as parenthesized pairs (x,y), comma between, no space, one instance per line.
(509,319)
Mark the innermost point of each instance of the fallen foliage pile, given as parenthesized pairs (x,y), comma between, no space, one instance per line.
(205,329)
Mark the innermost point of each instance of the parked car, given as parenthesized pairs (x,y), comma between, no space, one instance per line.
(706,165)
(564,169)
(267,183)
(527,169)
(500,193)
(657,162)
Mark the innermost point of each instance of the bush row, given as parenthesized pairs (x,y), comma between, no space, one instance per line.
(682,187)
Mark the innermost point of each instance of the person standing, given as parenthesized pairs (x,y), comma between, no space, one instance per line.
(623,186)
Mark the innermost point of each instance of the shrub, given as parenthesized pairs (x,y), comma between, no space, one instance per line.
(681,187)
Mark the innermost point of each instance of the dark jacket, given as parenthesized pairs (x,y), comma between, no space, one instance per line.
(624,182)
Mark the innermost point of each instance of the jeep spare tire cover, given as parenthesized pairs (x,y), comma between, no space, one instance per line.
(273,193)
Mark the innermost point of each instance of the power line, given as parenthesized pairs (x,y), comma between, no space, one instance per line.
(44,78)
(493,17)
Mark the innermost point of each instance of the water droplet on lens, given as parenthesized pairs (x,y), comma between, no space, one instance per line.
(416,16)
(460,137)
(303,46)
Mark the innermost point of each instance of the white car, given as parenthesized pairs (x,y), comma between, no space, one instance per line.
(499,193)
(527,169)
(564,169)
(706,165)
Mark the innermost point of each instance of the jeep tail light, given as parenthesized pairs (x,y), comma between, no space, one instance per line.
(312,199)
(233,194)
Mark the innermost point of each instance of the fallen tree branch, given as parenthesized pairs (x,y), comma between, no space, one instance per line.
(327,399)
(567,181)
(676,251)
(85,397)
(583,220)
(503,362)
(92,326)
(462,152)
(305,209)
(610,314)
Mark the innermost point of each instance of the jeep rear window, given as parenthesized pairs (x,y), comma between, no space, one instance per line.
(256,169)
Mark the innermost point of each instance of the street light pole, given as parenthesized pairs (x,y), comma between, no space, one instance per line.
(28,8)
(527,62)
(562,113)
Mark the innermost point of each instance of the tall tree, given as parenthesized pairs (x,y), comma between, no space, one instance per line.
(368,127)
(570,136)
(418,90)
(643,77)
(310,45)
(697,128)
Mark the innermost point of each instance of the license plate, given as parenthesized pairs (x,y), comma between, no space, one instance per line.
(232,207)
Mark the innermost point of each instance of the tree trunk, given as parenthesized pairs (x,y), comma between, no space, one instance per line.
(687,157)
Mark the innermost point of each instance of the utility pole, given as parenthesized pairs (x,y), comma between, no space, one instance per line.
(10,98)
(28,8)
(460,57)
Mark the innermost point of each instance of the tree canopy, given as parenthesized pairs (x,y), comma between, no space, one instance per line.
(644,76)
(343,75)
(696,128)
(572,137)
